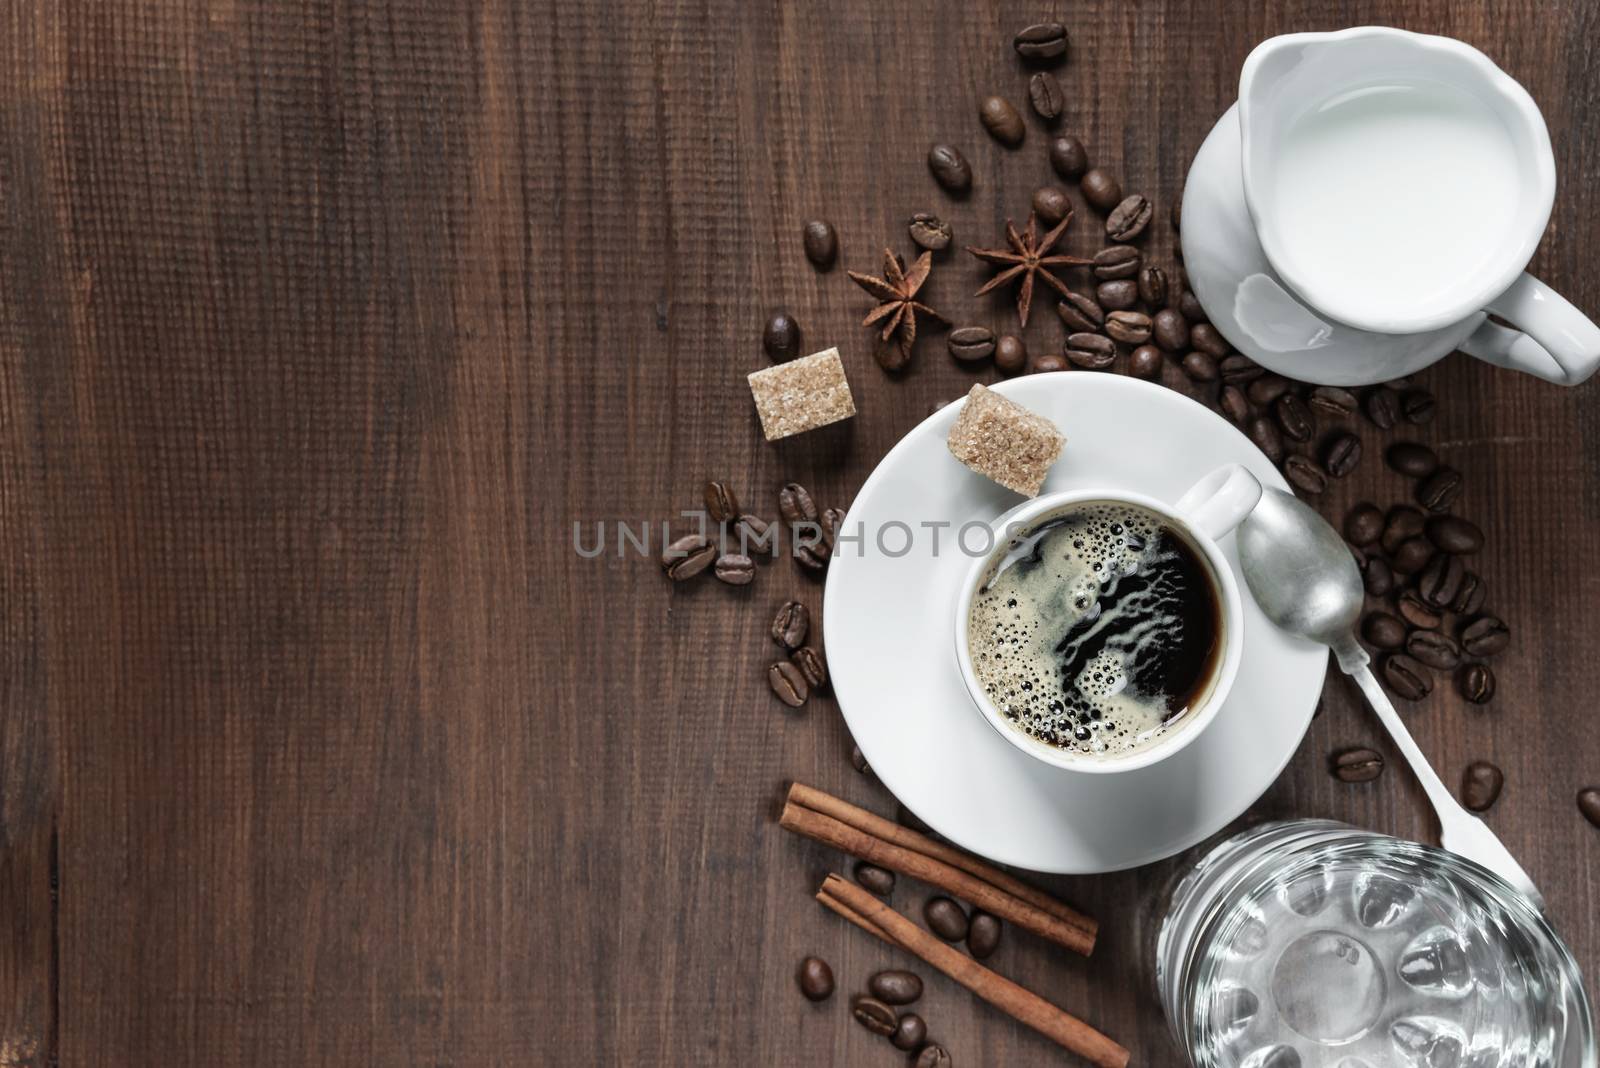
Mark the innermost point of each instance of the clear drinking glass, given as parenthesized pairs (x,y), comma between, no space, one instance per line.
(1308,943)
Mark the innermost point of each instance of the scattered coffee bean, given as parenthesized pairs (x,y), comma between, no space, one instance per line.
(930,232)
(1051,204)
(1485,636)
(1263,433)
(1045,362)
(1002,121)
(821,243)
(1470,597)
(1265,390)
(1044,93)
(722,504)
(816,979)
(1093,352)
(1068,157)
(874,1015)
(1341,455)
(1476,683)
(1363,524)
(1294,418)
(1439,490)
(1200,366)
(950,168)
(1377,578)
(936,1056)
(1117,261)
(1480,785)
(1452,534)
(910,1033)
(1417,405)
(1240,369)
(1412,555)
(795,504)
(1333,401)
(813,557)
(1434,649)
(832,520)
(1190,306)
(1041,41)
(1356,765)
(781,338)
(1381,407)
(873,879)
(1208,338)
(1153,285)
(1080,313)
(812,664)
(1440,581)
(945,919)
(1411,459)
(687,557)
(1589,804)
(788,683)
(1145,362)
(1304,475)
(753,532)
(895,986)
(1383,631)
(736,569)
(1010,354)
(1407,678)
(1233,404)
(1128,327)
(983,934)
(1416,611)
(1100,189)
(1120,295)
(858,760)
(971,342)
(1402,522)
(1129,218)
(1170,330)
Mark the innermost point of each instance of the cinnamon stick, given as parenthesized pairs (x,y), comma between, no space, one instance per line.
(935,872)
(870,914)
(889,831)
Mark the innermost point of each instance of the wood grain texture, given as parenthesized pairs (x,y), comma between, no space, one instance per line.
(322,324)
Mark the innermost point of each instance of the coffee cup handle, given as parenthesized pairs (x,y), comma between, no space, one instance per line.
(1555,341)
(1220,501)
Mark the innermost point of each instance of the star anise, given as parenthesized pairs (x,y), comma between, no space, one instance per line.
(898,307)
(1026,257)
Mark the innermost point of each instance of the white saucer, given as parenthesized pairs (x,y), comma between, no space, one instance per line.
(888,621)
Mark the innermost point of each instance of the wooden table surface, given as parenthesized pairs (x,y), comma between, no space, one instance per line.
(323,323)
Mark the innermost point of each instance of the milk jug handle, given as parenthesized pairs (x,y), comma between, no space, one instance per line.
(1553,339)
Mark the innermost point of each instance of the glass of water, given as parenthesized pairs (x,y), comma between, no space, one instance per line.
(1308,943)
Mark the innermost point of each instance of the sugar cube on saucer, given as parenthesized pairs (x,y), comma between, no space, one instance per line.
(1002,440)
(802,395)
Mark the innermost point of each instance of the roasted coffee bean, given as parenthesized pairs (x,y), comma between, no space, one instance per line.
(1417,406)
(722,504)
(1041,41)
(788,683)
(950,168)
(1129,218)
(1080,312)
(929,231)
(1377,578)
(1439,490)
(1411,459)
(1010,354)
(1381,406)
(945,919)
(735,569)
(1341,455)
(1120,295)
(816,979)
(1363,524)
(1045,362)
(1485,636)
(1333,401)
(1002,121)
(781,338)
(795,504)
(1434,649)
(1402,522)
(1145,362)
(1233,404)
(1452,534)
(1068,157)
(1190,306)
(1117,261)
(1093,352)
(895,986)
(1416,611)
(1239,369)
(821,243)
(1101,189)
(1383,631)
(1294,418)
(813,557)
(1044,93)
(858,760)
(1265,390)
(1588,804)
(1412,555)
(1152,285)
(1170,330)
(1051,204)
(910,1033)
(873,879)
(1200,366)
(1356,765)
(688,556)
(832,519)
(1128,327)
(812,664)
(1208,338)
(754,532)
(1470,597)
(1407,678)
(1304,475)
(874,1015)
(1480,785)
(1440,581)
(1263,433)
(971,342)
(1476,683)
(983,934)
(936,1056)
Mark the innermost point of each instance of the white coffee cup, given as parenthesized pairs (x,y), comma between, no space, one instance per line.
(1210,509)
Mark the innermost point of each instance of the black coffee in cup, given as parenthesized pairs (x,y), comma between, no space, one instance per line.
(1097,629)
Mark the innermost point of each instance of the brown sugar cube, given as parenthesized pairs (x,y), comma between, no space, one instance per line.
(1002,440)
(802,395)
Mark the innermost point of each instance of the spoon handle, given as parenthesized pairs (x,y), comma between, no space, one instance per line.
(1443,803)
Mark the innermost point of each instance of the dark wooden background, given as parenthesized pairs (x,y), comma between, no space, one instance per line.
(323,323)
